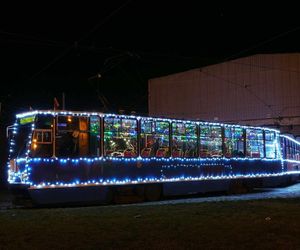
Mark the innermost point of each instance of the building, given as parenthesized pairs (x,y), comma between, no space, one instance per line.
(262,89)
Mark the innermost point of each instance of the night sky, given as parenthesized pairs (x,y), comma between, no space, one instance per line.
(49,49)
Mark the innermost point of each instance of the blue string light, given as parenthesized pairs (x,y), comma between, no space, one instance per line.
(23,176)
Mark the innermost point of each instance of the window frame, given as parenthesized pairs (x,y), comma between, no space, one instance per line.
(274,140)
(196,138)
(210,126)
(42,131)
(256,140)
(103,148)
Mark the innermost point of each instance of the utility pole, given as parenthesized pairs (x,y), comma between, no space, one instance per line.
(63,101)
(101,97)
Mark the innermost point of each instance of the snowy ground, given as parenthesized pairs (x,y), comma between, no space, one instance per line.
(5,200)
(292,191)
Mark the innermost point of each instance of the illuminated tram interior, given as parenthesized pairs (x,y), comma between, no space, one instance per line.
(121,136)
(170,149)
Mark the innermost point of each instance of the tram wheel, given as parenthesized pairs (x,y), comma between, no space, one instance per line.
(153,192)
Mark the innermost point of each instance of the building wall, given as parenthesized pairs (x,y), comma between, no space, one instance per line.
(258,90)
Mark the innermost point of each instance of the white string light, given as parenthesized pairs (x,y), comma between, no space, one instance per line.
(28,163)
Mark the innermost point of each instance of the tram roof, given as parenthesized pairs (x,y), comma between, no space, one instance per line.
(84,113)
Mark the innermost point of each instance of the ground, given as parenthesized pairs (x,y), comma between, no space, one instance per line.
(218,224)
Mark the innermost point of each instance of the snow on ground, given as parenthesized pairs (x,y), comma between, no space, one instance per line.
(292,191)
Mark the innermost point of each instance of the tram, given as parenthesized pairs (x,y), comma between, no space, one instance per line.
(59,157)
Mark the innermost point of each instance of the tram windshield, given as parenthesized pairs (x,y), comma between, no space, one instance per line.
(41,145)
(21,137)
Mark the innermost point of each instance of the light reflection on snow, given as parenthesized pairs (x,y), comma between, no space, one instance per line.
(292,191)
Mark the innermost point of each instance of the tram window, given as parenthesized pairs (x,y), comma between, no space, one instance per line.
(288,150)
(67,123)
(283,146)
(147,138)
(81,138)
(38,136)
(42,136)
(210,141)
(162,141)
(41,145)
(22,138)
(297,153)
(184,139)
(72,138)
(95,136)
(120,137)
(270,143)
(47,137)
(154,140)
(255,143)
(44,122)
(291,150)
(234,142)
(67,135)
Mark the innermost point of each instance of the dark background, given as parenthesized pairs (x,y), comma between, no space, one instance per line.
(48,49)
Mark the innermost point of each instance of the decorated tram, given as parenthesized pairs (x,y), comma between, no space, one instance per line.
(61,157)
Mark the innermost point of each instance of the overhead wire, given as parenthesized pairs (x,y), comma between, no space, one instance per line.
(32,38)
(261,43)
(263,66)
(34,41)
(142,53)
(67,50)
(245,87)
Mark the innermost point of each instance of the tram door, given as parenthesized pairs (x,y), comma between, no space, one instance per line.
(83,142)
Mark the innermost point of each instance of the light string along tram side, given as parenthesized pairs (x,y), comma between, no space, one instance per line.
(59,157)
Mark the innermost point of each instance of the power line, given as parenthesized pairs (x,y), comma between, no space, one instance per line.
(30,42)
(66,51)
(245,87)
(261,43)
(97,26)
(52,62)
(264,67)
(33,38)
